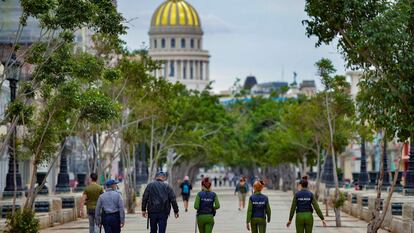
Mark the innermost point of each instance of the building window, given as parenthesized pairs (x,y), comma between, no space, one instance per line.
(164,69)
(201,70)
(172,69)
(155,44)
(183,43)
(192,43)
(199,44)
(163,43)
(191,70)
(173,43)
(185,70)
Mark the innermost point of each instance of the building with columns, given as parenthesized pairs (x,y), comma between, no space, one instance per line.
(176,39)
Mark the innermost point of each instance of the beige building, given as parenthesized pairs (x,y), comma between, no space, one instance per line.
(176,39)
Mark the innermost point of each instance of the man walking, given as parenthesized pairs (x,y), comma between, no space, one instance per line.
(156,203)
(186,188)
(90,197)
(110,209)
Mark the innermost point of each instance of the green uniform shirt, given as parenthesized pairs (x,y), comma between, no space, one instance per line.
(92,192)
(314,204)
(197,202)
(250,210)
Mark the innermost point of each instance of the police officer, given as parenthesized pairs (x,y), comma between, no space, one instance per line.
(258,210)
(206,204)
(110,211)
(302,203)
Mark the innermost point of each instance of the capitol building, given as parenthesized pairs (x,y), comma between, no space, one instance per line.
(176,39)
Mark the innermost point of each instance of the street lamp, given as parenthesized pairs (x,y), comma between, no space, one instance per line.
(13,178)
(363,175)
(62,185)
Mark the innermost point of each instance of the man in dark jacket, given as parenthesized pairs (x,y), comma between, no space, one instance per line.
(156,203)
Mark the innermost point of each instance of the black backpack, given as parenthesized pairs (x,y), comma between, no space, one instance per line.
(159,197)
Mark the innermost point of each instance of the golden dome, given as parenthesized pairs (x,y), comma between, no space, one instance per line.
(175,13)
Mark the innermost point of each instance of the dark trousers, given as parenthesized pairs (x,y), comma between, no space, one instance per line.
(112,223)
(158,222)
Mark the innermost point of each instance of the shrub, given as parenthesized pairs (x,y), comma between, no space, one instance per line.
(339,202)
(22,221)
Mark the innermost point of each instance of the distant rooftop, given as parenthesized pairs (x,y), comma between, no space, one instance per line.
(250,82)
(308,84)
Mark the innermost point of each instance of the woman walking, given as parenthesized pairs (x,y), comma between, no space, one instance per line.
(302,203)
(242,188)
(206,204)
(258,211)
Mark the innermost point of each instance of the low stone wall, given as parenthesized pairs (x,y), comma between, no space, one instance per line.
(50,210)
(361,204)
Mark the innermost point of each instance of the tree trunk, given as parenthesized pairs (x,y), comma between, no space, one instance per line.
(288,177)
(332,148)
(31,194)
(378,215)
(318,172)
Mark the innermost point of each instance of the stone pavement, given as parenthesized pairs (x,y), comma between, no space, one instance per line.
(229,219)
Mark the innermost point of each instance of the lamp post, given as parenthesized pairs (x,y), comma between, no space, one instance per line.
(386,180)
(328,175)
(363,175)
(62,185)
(13,177)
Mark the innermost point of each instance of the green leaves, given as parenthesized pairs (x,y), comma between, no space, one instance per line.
(19,108)
(101,16)
(87,67)
(98,108)
(377,38)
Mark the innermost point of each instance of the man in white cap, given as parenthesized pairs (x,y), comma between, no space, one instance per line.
(110,211)
(186,188)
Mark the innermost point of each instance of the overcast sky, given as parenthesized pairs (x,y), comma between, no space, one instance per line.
(261,37)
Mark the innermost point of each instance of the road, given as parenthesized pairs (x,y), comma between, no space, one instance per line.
(228,219)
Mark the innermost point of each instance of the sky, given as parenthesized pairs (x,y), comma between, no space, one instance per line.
(264,38)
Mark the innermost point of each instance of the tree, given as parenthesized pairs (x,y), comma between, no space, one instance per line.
(376,37)
(62,90)
(339,115)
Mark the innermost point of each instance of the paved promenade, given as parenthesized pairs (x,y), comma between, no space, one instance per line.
(228,219)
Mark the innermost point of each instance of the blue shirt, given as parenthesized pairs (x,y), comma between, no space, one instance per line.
(110,202)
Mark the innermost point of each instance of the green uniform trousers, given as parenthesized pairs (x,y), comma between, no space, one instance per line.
(304,222)
(205,223)
(258,225)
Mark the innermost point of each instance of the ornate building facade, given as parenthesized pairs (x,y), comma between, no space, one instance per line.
(176,39)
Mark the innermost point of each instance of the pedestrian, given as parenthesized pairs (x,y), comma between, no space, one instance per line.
(156,203)
(252,180)
(225,180)
(258,211)
(206,204)
(302,203)
(220,181)
(186,188)
(90,198)
(235,179)
(110,210)
(242,188)
(215,181)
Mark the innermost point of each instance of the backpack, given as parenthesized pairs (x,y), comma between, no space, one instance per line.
(159,201)
(186,188)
